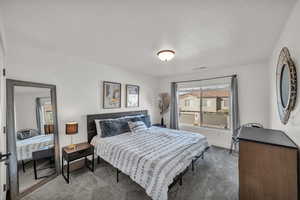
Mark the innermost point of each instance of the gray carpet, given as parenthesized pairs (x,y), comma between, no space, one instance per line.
(215,177)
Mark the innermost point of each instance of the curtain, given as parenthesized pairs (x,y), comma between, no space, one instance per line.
(235,118)
(174,107)
(38,110)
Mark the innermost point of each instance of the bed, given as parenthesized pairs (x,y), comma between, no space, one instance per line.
(153,158)
(27,146)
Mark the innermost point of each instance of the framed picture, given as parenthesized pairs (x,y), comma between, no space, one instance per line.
(132,95)
(111,95)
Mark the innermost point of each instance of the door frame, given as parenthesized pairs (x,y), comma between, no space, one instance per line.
(13,175)
(3,166)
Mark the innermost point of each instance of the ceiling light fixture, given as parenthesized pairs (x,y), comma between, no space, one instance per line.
(166,55)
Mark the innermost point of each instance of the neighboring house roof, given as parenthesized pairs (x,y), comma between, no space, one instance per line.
(207,94)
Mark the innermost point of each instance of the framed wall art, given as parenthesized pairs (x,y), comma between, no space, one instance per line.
(111,95)
(132,96)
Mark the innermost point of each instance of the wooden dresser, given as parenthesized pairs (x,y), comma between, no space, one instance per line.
(268,165)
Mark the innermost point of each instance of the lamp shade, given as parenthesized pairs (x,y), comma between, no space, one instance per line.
(71,128)
(49,128)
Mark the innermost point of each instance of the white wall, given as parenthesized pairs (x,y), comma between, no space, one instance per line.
(289,38)
(79,87)
(25,109)
(253,96)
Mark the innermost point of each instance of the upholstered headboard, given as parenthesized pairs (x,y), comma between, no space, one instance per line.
(91,126)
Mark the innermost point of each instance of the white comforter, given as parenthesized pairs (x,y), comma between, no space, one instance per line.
(27,146)
(151,158)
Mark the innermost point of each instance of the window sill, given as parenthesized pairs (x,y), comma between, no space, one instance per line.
(198,128)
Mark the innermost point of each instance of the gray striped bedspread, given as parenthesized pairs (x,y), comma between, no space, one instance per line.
(27,146)
(152,158)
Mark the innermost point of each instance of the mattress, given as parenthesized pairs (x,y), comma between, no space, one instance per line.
(152,158)
(27,146)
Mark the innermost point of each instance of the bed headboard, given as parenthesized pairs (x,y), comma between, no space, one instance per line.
(91,126)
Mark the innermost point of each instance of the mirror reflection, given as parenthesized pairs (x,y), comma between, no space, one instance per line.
(284,85)
(34,130)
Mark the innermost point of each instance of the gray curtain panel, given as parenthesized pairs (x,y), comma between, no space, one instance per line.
(235,118)
(38,110)
(174,107)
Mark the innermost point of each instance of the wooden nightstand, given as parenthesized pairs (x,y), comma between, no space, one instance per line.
(82,150)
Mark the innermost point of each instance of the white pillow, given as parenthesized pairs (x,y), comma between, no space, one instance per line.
(97,121)
(137,126)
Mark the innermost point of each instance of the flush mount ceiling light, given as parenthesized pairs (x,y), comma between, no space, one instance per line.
(166,55)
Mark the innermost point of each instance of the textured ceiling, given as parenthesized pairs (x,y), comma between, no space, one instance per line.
(128,34)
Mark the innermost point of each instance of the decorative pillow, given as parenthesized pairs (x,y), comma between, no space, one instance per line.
(34,132)
(147,121)
(98,126)
(137,126)
(144,118)
(113,127)
(26,134)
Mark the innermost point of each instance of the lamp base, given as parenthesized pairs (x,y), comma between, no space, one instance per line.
(72,147)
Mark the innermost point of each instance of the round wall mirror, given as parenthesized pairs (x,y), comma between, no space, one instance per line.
(286,85)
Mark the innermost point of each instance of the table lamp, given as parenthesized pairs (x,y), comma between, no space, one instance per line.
(71,129)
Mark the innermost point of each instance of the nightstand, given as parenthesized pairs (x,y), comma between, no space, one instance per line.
(81,150)
(159,125)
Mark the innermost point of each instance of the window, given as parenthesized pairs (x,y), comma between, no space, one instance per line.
(45,114)
(205,106)
(205,102)
(187,103)
(225,103)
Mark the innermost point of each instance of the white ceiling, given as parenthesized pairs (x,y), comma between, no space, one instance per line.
(127,34)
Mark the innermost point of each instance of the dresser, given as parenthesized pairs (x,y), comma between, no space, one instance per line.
(268,165)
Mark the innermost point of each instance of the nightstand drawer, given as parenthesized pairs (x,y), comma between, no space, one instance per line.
(80,154)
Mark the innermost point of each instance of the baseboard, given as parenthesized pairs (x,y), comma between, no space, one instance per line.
(220,147)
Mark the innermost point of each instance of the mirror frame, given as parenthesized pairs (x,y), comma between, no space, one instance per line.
(13,177)
(285,60)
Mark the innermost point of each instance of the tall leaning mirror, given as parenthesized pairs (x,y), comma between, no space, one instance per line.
(32,135)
